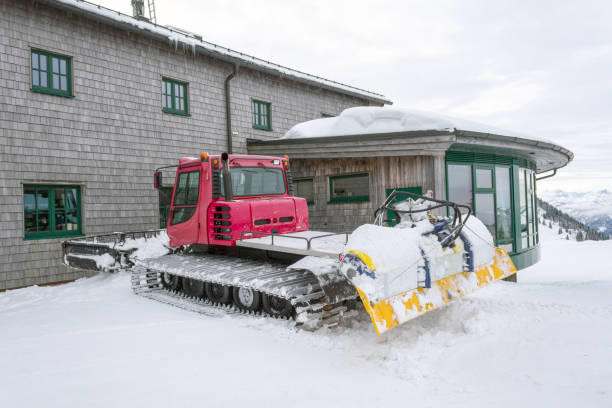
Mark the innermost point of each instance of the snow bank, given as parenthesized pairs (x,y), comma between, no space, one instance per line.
(366,120)
(145,248)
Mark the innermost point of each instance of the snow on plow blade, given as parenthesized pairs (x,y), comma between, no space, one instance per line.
(395,310)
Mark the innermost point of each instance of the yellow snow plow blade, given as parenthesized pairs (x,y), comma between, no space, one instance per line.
(395,310)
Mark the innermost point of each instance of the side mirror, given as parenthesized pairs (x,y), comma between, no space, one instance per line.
(157,179)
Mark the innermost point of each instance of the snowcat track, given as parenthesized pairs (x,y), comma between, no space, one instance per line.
(301,287)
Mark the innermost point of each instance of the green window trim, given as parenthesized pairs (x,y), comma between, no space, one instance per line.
(53,211)
(350,199)
(327,115)
(50,73)
(297,181)
(262,115)
(175,97)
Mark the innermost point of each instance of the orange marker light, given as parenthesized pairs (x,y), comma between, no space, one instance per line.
(204,156)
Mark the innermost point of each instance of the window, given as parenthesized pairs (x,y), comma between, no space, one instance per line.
(174,97)
(327,115)
(504,205)
(350,188)
(51,211)
(529,235)
(165,197)
(305,188)
(185,196)
(261,115)
(51,73)
(459,181)
(253,181)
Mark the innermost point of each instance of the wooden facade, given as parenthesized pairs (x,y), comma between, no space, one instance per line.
(426,172)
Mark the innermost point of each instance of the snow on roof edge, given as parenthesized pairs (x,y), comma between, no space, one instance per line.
(175,37)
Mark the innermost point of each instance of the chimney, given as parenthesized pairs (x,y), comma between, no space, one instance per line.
(138,9)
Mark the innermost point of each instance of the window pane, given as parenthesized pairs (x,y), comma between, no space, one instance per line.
(59,198)
(43,62)
(181,105)
(55,81)
(34,60)
(55,65)
(305,189)
(43,220)
(484,178)
(35,75)
(63,67)
(357,186)
(30,222)
(507,247)
(177,103)
(60,221)
(164,105)
(71,198)
(187,188)
(460,184)
(523,206)
(43,79)
(42,199)
(72,220)
(252,181)
(63,83)
(182,214)
(484,210)
(504,203)
(29,199)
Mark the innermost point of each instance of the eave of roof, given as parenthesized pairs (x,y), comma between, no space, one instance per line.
(120,20)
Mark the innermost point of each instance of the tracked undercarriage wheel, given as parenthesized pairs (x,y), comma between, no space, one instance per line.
(246,299)
(193,287)
(171,282)
(218,293)
(276,306)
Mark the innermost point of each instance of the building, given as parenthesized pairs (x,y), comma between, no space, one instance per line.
(346,167)
(92,101)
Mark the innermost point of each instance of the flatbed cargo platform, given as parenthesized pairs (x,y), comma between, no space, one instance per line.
(314,243)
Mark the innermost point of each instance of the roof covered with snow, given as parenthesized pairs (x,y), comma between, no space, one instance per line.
(186,40)
(396,131)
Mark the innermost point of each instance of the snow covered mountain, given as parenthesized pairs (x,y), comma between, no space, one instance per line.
(592,208)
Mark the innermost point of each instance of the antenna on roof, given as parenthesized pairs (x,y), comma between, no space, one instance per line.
(152,16)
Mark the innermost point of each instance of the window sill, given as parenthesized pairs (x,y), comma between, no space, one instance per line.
(52,236)
(173,112)
(51,92)
(349,200)
(268,129)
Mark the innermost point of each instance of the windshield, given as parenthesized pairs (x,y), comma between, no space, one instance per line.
(252,181)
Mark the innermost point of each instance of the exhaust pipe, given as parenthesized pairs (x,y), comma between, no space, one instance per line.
(227,178)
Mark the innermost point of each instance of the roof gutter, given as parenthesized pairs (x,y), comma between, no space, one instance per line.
(228,108)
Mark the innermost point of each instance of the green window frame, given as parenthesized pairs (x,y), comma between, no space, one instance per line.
(51,211)
(51,73)
(327,115)
(175,97)
(337,196)
(262,116)
(299,191)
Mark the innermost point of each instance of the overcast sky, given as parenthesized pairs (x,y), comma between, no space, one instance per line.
(542,68)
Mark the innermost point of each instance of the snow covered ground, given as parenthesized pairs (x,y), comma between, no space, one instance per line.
(546,341)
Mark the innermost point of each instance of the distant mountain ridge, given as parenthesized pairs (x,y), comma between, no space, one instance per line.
(593,208)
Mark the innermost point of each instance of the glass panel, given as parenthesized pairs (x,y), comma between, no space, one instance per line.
(507,247)
(485,210)
(460,184)
(177,104)
(71,198)
(35,76)
(43,62)
(523,207)
(43,220)
(43,79)
(72,220)
(30,222)
(484,178)
(29,199)
(60,221)
(55,65)
(59,198)
(305,189)
(164,105)
(63,67)
(42,199)
(504,203)
(55,81)
(63,83)
(253,181)
(34,61)
(181,90)
(181,105)
(168,101)
(358,186)
(182,214)
(187,188)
